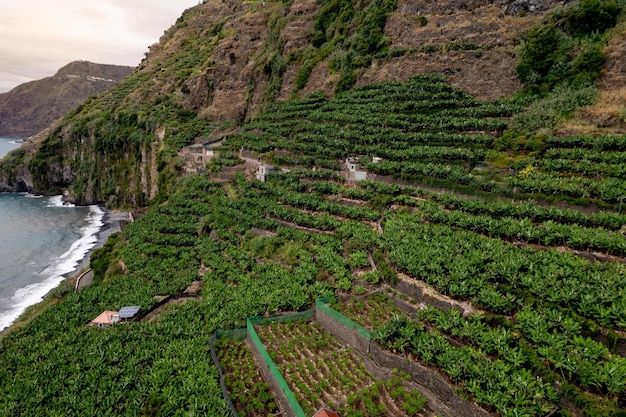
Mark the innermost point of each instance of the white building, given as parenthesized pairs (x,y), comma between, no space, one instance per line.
(263,171)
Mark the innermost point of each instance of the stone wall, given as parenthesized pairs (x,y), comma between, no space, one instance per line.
(425,377)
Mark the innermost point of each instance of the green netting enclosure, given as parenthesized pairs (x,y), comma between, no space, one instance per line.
(236,334)
(216,361)
(278,376)
(323,305)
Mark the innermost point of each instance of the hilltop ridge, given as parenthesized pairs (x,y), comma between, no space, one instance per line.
(33,106)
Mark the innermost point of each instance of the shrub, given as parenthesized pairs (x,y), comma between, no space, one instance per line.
(102,259)
(347,80)
(591,16)
(550,53)
(551,110)
(587,66)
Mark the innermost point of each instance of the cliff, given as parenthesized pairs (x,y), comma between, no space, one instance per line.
(33,106)
(224,61)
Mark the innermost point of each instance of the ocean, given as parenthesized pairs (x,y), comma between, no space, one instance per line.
(41,241)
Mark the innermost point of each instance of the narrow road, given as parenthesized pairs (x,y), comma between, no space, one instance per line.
(113,222)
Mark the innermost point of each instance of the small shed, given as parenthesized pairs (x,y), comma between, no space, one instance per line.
(263,171)
(355,171)
(105,319)
(128,313)
(198,153)
(323,412)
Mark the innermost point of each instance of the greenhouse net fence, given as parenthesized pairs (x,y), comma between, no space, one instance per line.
(323,304)
(216,361)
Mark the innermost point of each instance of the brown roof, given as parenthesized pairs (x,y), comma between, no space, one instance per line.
(105,317)
(325,413)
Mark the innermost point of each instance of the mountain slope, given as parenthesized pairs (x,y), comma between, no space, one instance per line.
(494,248)
(33,106)
(223,61)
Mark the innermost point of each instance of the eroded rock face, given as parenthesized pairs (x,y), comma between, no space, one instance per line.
(512,8)
(22,183)
(233,87)
(518,7)
(232,72)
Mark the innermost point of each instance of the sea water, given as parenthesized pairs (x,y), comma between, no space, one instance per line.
(41,241)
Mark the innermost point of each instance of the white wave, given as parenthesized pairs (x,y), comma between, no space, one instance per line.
(57,201)
(16,142)
(56,271)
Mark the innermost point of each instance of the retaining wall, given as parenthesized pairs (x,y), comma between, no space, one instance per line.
(423,376)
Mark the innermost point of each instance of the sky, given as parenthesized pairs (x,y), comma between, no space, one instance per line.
(37,37)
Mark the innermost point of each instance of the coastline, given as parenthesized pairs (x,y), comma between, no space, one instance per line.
(112,221)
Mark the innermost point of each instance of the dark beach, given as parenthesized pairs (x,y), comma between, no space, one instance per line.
(113,222)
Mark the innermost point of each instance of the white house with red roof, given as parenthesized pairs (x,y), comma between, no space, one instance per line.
(106,319)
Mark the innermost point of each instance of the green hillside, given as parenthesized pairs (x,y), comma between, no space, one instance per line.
(502,242)
(308,233)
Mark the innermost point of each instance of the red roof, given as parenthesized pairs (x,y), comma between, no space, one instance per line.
(107,317)
(325,413)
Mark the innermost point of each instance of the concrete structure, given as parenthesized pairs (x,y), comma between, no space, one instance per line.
(198,153)
(355,173)
(108,318)
(263,171)
(353,164)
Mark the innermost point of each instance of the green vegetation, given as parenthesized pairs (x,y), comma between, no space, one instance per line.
(11,163)
(566,49)
(458,197)
(349,34)
(104,260)
(251,395)
(320,371)
(265,247)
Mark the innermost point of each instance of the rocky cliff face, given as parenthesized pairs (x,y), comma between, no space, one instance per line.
(225,60)
(33,106)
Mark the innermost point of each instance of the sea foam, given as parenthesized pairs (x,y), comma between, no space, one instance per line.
(57,201)
(57,270)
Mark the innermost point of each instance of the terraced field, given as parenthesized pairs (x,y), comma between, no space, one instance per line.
(435,225)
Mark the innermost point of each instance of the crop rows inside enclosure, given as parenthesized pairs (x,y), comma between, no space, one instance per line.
(323,373)
(251,395)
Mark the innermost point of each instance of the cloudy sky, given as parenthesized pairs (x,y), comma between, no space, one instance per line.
(37,37)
